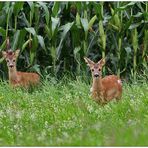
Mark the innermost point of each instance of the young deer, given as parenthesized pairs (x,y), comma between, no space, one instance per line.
(16,78)
(103,89)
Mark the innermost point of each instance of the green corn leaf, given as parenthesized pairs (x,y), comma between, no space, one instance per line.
(115,27)
(139,14)
(112,11)
(2,32)
(146,39)
(145,14)
(55,9)
(53,52)
(125,6)
(46,11)
(33,49)
(37,17)
(140,7)
(22,38)
(117,21)
(55,22)
(16,39)
(41,42)
(17,7)
(101,29)
(85,14)
(85,24)
(65,28)
(135,40)
(145,42)
(78,6)
(36,68)
(97,7)
(1,60)
(1,6)
(24,19)
(31,4)
(2,18)
(102,35)
(135,25)
(25,44)
(6,7)
(48,31)
(135,46)
(76,52)
(31,30)
(3,45)
(91,22)
(128,23)
(78,20)
(34,43)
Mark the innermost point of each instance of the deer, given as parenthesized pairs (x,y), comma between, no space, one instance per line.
(104,89)
(17,78)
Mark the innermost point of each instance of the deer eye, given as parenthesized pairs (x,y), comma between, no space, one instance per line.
(7,61)
(13,60)
(99,69)
(92,70)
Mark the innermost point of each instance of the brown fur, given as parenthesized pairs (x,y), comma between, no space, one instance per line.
(24,79)
(104,89)
(16,79)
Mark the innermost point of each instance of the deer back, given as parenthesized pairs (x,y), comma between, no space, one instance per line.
(112,87)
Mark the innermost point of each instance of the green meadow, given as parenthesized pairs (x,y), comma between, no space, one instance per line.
(63,114)
(53,38)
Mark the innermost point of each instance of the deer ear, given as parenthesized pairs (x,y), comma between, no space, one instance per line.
(4,54)
(102,62)
(88,61)
(17,52)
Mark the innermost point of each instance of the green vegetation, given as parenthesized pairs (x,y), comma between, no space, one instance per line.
(63,114)
(55,36)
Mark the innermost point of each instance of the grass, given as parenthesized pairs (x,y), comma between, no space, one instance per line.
(63,114)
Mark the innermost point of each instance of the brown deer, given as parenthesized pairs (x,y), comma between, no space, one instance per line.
(23,79)
(103,89)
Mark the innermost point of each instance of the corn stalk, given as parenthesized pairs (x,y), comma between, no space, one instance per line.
(102,40)
(145,46)
(135,47)
(117,25)
(46,25)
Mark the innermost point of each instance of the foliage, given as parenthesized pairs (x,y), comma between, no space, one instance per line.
(63,114)
(55,36)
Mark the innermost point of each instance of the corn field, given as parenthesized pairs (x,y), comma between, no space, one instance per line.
(54,37)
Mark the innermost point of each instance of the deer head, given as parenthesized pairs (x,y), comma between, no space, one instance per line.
(96,68)
(11,57)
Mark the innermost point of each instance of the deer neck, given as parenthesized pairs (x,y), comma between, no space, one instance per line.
(97,84)
(97,89)
(12,74)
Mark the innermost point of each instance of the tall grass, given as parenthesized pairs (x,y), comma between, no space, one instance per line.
(63,114)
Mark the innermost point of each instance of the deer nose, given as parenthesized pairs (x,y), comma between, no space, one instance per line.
(11,66)
(96,75)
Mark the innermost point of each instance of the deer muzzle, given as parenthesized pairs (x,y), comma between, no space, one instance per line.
(11,66)
(96,75)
